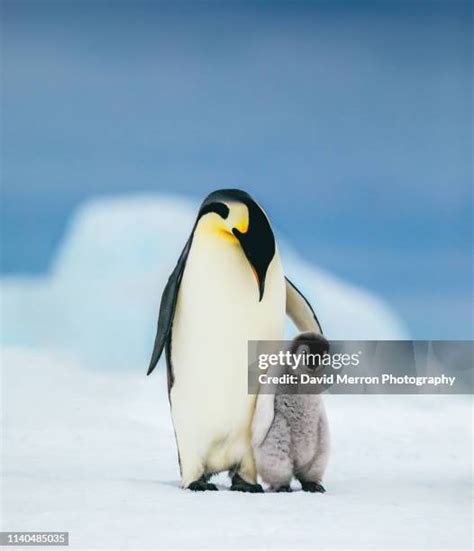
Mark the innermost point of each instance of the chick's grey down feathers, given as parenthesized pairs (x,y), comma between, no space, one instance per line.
(297,441)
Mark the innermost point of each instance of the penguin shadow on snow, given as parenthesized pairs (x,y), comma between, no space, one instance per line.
(220,482)
(222,486)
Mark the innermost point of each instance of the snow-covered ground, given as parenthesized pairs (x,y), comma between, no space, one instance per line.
(87,442)
(94,454)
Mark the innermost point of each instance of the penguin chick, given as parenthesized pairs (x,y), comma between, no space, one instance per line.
(296,443)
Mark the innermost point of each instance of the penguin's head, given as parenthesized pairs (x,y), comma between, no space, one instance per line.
(233,216)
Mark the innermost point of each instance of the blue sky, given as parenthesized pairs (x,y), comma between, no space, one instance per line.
(350,122)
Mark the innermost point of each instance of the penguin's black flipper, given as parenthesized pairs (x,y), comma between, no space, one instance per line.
(300,311)
(168,306)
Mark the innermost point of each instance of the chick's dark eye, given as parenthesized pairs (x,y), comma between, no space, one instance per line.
(303,349)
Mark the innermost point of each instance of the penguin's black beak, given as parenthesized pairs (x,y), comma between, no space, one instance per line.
(253,254)
(261,284)
(258,243)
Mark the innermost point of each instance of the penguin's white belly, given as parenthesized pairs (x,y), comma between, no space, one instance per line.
(217,313)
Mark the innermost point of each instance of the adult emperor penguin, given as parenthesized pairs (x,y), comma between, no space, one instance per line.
(227,288)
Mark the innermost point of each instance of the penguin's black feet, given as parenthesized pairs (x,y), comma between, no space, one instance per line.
(312,487)
(240,485)
(202,485)
(286,488)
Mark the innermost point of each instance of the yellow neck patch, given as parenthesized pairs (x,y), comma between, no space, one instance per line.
(238,218)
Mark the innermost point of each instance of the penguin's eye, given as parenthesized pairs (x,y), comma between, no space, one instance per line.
(303,350)
(220,208)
